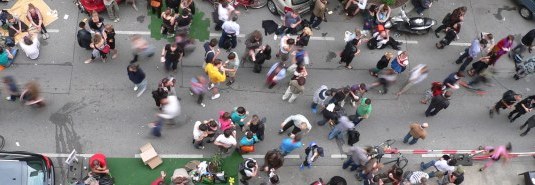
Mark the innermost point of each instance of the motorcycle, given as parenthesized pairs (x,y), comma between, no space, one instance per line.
(413,25)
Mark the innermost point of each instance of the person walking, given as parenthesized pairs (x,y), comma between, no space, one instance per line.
(273,160)
(496,153)
(502,47)
(509,98)
(435,90)
(140,47)
(438,103)
(416,131)
(385,79)
(10,88)
(530,123)
(320,97)
(357,157)
(418,74)
(339,130)
(31,95)
(381,64)
(216,74)
(449,20)
(171,56)
(298,121)
(452,81)
(286,46)
(137,76)
(199,87)
(363,111)
(226,140)
(400,63)
(522,107)
(525,42)
(170,108)
(276,73)
(318,13)
(248,170)
(350,51)
(290,144)
(451,34)
(113,9)
(471,52)
(296,87)
(312,153)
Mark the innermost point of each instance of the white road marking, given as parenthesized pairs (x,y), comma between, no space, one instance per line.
(432,155)
(311,38)
(52,30)
(188,156)
(55,155)
(459,44)
(408,41)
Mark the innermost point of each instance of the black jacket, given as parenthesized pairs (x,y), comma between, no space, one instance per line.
(84,38)
(439,102)
(528,38)
(137,76)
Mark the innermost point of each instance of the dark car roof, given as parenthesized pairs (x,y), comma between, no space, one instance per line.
(11,171)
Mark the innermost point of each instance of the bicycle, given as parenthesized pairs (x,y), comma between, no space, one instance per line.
(379,151)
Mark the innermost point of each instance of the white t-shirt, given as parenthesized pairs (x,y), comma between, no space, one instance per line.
(227,141)
(196,132)
(32,51)
(171,109)
(224,12)
(442,165)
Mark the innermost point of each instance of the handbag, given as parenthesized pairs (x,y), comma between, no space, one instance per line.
(155,3)
(106,49)
(247,149)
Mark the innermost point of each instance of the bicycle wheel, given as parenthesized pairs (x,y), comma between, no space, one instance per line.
(402,162)
(2,143)
(258,4)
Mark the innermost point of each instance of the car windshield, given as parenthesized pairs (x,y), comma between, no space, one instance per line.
(36,175)
(296,2)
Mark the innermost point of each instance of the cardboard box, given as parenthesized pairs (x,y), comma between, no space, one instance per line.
(149,156)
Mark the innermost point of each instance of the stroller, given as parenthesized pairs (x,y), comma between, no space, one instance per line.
(523,66)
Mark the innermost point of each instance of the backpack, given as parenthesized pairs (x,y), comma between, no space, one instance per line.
(242,166)
(353,136)
(446,19)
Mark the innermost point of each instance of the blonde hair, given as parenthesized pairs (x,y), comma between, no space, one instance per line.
(307,31)
(389,55)
(108,27)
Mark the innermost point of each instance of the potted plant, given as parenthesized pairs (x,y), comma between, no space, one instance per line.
(215,164)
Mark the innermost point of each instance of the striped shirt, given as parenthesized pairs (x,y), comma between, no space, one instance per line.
(416,177)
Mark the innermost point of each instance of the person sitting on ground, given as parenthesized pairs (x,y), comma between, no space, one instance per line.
(30,46)
(98,164)
(247,142)
(383,14)
(292,22)
(353,7)
(381,39)
(15,26)
(7,56)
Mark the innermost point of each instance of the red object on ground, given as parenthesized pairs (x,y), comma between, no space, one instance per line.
(94,5)
(157,181)
(100,158)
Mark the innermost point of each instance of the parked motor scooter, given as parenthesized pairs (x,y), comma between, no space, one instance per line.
(413,25)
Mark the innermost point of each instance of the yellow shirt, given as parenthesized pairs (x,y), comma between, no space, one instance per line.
(214,74)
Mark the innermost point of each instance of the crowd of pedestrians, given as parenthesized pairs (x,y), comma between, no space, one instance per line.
(289,68)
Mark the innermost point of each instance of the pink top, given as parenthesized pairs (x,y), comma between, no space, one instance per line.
(224,124)
(498,152)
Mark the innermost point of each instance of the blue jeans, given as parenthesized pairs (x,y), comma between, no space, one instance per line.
(284,152)
(407,137)
(357,120)
(314,21)
(336,133)
(427,165)
(351,163)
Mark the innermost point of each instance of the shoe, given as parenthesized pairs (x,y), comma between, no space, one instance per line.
(481,169)
(491,113)
(135,88)
(436,34)
(8,98)
(421,14)
(314,111)
(141,92)
(47,35)
(229,83)
(317,28)
(190,93)
(354,104)
(203,105)
(216,96)
(43,36)
(211,86)
(301,167)
(274,37)
(523,134)
(281,131)
(458,61)
(88,61)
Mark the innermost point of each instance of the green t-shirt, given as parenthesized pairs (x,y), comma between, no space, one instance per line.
(364,109)
(3,59)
